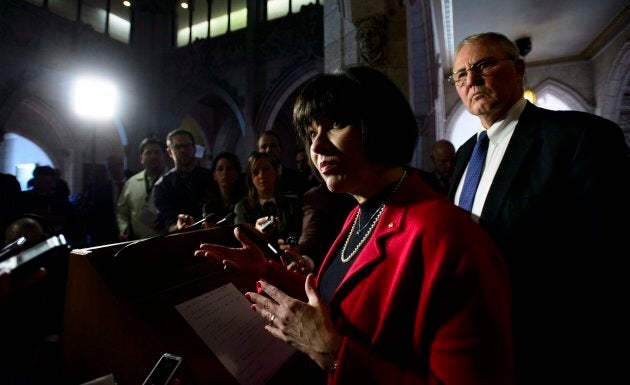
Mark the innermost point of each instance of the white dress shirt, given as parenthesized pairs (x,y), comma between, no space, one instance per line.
(499,135)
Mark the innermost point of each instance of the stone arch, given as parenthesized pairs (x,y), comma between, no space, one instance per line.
(30,100)
(191,94)
(276,109)
(616,99)
(564,92)
(197,108)
(38,111)
(51,136)
(458,135)
(286,84)
(424,80)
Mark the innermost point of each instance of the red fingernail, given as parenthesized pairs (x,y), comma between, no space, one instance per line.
(259,287)
(248,296)
(253,307)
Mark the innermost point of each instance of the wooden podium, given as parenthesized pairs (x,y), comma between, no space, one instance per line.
(120,311)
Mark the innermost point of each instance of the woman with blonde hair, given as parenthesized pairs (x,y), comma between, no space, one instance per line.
(265,207)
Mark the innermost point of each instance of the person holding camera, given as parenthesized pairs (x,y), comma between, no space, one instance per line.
(265,207)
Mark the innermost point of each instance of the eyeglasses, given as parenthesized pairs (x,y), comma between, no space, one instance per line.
(184,146)
(481,68)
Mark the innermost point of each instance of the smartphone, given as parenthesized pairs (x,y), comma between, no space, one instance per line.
(267,224)
(292,240)
(285,258)
(27,256)
(164,369)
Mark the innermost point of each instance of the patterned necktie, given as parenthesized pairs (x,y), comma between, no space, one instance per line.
(475,167)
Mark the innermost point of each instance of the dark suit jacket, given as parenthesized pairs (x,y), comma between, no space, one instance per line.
(102,222)
(558,208)
(178,192)
(430,178)
(10,202)
(293,182)
(324,213)
(426,301)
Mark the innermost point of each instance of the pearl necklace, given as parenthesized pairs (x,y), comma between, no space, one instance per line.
(377,215)
(369,221)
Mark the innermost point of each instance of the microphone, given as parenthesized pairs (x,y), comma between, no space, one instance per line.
(202,220)
(11,247)
(269,209)
(205,218)
(226,219)
(229,217)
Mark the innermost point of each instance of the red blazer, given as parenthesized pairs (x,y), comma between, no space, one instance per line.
(427,300)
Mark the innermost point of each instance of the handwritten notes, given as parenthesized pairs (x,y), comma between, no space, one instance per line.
(236,335)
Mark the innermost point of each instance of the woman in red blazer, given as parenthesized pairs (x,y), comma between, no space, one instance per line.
(412,291)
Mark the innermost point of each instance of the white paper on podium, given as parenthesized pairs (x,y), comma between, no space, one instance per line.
(236,335)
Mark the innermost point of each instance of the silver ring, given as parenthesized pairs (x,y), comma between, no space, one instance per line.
(273,318)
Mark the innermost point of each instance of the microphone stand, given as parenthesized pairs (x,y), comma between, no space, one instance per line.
(226,218)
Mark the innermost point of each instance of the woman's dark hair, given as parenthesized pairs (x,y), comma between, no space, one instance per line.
(365,97)
(231,157)
(214,200)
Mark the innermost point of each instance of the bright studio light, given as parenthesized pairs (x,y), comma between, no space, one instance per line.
(94,98)
(530,95)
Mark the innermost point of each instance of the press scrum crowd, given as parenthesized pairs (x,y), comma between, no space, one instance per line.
(499,266)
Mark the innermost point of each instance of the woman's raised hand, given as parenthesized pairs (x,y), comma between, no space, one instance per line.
(248,258)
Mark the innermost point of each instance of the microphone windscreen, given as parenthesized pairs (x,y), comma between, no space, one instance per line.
(227,220)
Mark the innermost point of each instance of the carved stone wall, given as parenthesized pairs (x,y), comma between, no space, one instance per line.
(207,83)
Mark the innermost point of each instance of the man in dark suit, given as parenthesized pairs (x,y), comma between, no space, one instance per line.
(179,193)
(292,181)
(554,194)
(10,201)
(443,159)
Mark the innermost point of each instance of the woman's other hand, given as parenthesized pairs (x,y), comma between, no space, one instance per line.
(305,326)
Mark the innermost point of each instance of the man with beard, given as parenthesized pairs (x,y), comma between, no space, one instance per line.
(181,190)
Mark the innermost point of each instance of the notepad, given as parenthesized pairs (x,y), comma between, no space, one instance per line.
(224,321)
